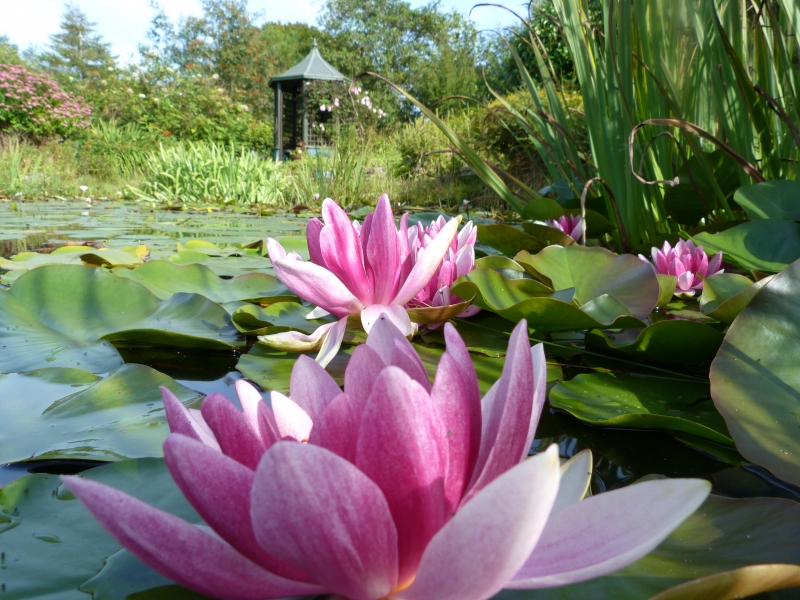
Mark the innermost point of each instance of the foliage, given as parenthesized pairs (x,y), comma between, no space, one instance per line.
(9,53)
(35,105)
(203,173)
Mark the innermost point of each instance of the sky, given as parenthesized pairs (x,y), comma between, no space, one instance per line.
(125,22)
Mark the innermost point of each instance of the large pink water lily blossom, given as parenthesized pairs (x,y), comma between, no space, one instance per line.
(365,269)
(688,263)
(402,489)
(572,225)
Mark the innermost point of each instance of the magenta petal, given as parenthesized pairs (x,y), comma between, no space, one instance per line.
(311,387)
(382,251)
(608,531)
(316,284)
(313,229)
(539,394)
(233,432)
(250,399)
(410,470)
(427,263)
(186,421)
(318,512)
(341,251)
(338,426)
(481,548)
(507,413)
(685,281)
(291,421)
(394,349)
(183,552)
(362,371)
(218,487)
(714,263)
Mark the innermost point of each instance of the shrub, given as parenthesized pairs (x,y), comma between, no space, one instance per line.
(34,104)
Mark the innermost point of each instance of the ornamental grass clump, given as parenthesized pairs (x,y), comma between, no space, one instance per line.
(390,488)
(33,104)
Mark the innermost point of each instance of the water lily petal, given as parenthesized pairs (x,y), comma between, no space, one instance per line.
(233,431)
(508,403)
(183,552)
(609,531)
(410,471)
(382,252)
(394,312)
(576,475)
(317,313)
(296,341)
(539,394)
(218,487)
(480,549)
(316,284)
(317,511)
(714,263)
(311,387)
(313,229)
(291,420)
(341,250)
(362,371)
(187,421)
(331,343)
(338,426)
(427,263)
(250,398)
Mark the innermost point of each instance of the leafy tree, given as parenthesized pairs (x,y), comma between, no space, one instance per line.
(9,53)
(76,51)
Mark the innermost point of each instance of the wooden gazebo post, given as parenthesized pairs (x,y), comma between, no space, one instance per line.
(289,97)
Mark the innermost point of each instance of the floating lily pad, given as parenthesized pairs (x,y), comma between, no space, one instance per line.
(509,240)
(164,279)
(61,413)
(255,320)
(767,245)
(725,295)
(65,316)
(672,342)
(627,401)
(76,255)
(770,200)
(739,583)
(595,272)
(755,380)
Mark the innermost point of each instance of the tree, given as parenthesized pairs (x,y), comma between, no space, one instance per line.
(76,51)
(9,53)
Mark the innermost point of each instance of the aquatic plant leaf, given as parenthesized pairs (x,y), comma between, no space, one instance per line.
(770,200)
(725,295)
(767,245)
(738,583)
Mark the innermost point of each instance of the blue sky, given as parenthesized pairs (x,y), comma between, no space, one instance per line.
(124,22)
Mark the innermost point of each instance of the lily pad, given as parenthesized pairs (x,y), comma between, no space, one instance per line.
(65,315)
(723,534)
(255,320)
(671,342)
(770,200)
(76,255)
(61,413)
(739,583)
(595,272)
(164,279)
(618,400)
(755,380)
(509,240)
(725,295)
(224,267)
(767,245)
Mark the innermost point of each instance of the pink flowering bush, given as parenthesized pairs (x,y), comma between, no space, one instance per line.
(35,105)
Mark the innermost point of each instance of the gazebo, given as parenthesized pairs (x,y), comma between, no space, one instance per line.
(291,113)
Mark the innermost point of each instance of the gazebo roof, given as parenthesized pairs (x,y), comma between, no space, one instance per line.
(312,66)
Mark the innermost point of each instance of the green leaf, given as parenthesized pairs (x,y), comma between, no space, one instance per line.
(738,583)
(594,272)
(76,255)
(65,315)
(255,320)
(755,380)
(627,401)
(771,200)
(52,545)
(767,245)
(549,235)
(164,279)
(666,288)
(672,342)
(723,534)
(683,202)
(509,240)
(60,413)
(725,295)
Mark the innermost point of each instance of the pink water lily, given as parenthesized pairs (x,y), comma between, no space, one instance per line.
(357,269)
(688,263)
(403,490)
(459,260)
(572,225)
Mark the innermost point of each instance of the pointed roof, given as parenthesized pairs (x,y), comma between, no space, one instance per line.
(312,66)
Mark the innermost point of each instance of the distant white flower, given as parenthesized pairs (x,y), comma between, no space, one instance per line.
(142,96)
(156,99)
(83,188)
(321,108)
(336,102)
(215,77)
(322,127)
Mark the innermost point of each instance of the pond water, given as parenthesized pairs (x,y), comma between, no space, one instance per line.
(621,456)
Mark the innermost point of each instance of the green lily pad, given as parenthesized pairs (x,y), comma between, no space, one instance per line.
(628,401)
(61,413)
(545,310)
(164,279)
(666,288)
(725,295)
(672,342)
(255,320)
(224,267)
(76,255)
(743,582)
(770,200)
(755,380)
(723,534)
(595,272)
(52,545)
(65,316)
(509,240)
(767,245)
